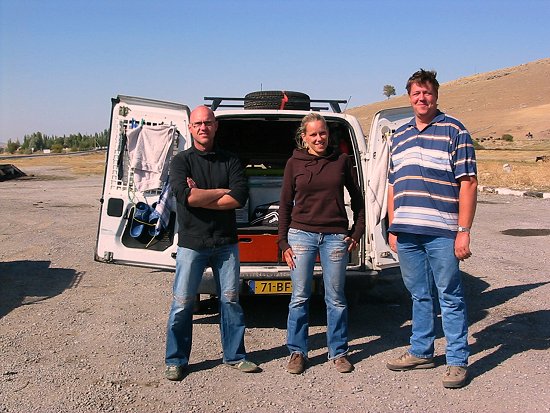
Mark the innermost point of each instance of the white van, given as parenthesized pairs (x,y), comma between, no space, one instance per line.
(260,128)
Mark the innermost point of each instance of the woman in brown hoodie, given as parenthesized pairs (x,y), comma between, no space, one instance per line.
(313,222)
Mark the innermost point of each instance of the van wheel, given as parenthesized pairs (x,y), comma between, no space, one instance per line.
(277,99)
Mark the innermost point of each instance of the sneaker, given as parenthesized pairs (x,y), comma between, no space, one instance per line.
(296,364)
(246,366)
(409,362)
(455,377)
(175,373)
(343,365)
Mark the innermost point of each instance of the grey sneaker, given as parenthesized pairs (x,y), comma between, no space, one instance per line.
(455,377)
(409,362)
(343,365)
(175,373)
(296,364)
(246,366)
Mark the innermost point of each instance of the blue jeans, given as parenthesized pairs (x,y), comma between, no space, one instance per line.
(190,265)
(430,270)
(332,250)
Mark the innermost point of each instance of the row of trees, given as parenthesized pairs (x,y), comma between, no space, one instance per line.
(37,141)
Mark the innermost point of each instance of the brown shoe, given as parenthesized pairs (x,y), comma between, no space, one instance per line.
(455,377)
(297,363)
(409,362)
(343,365)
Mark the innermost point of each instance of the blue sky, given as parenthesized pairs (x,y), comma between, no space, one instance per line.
(61,61)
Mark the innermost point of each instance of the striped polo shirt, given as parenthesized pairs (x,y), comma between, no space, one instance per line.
(424,171)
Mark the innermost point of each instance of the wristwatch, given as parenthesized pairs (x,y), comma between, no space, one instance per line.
(463,229)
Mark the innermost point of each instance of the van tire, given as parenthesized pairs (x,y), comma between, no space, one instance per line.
(274,99)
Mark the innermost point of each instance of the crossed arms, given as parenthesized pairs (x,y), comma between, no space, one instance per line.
(217,198)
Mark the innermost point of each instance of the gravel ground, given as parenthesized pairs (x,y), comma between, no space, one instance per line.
(82,336)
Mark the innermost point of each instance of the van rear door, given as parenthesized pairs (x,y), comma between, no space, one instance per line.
(125,233)
(384,123)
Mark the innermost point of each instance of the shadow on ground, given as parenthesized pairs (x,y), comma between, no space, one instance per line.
(383,312)
(29,282)
(513,335)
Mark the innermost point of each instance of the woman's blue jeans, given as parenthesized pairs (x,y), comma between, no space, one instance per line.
(332,249)
(430,270)
(190,265)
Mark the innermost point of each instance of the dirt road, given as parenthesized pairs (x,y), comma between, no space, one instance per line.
(80,336)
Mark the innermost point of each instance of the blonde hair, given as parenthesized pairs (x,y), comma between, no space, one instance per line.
(310,117)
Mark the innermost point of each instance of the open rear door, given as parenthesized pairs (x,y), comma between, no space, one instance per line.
(384,124)
(137,224)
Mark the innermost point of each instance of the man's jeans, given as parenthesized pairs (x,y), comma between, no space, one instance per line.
(334,258)
(190,265)
(430,269)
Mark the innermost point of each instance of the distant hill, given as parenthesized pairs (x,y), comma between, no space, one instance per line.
(514,101)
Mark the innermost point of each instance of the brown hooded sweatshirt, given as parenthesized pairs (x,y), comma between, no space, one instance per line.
(312,196)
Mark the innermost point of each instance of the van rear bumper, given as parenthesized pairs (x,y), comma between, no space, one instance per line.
(208,285)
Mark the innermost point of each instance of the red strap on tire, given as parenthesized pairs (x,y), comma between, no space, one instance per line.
(283,101)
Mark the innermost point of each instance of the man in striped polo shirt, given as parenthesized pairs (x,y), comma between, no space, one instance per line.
(432,200)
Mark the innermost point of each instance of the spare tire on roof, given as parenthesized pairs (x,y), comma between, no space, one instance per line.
(277,99)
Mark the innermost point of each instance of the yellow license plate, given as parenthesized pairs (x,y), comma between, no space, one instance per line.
(273,287)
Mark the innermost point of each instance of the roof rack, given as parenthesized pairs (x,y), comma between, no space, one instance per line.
(216,102)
